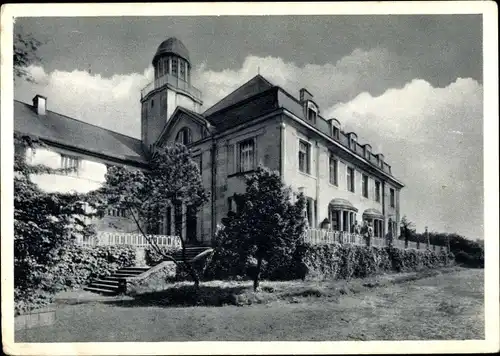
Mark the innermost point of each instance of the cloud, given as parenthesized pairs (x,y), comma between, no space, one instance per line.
(433,140)
(374,71)
(414,124)
(113,103)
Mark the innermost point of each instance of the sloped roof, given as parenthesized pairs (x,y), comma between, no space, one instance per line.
(245,110)
(77,134)
(254,86)
(174,46)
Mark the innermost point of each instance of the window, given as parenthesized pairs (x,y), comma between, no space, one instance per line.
(304,157)
(119,213)
(311,115)
(377,191)
(365,185)
(336,132)
(310,210)
(392,198)
(160,68)
(70,162)
(165,66)
(152,103)
(183,70)
(174,67)
(246,156)
(334,166)
(183,136)
(350,179)
(231,204)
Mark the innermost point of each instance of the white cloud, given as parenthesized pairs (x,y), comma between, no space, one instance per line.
(419,126)
(112,103)
(415,124)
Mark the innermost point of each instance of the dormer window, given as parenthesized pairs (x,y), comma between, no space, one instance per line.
(368,150)
(352,141)
(336,132)
(311,112)
(183,136)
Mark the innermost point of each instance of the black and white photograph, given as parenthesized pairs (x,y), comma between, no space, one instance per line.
(188,173)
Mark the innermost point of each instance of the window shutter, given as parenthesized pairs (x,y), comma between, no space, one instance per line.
(230,159)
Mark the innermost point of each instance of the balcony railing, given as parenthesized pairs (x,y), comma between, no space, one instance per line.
(175,82)
(322,236)
(137,240)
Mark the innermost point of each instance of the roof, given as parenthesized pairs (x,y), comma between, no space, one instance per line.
(172,46)
(372,213)
(73,133)
(253,87)
(344,204)
(245,110)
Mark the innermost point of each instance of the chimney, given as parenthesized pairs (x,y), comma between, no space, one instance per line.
(40,104)
(305,95)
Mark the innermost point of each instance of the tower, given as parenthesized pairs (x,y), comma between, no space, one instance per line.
(170,88)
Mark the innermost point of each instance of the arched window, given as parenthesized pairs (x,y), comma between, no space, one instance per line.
(183,136)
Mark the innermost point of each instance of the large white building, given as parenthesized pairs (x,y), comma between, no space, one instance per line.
(258,123)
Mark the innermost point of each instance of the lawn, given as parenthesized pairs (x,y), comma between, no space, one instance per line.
(436,306)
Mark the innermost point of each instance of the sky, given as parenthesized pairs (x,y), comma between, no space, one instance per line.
(411,86)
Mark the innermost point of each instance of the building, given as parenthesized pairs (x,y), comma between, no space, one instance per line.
(258,123)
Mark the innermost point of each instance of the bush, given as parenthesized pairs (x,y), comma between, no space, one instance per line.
(470,260)
(72,266)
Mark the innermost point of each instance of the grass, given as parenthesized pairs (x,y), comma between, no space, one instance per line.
(437,305)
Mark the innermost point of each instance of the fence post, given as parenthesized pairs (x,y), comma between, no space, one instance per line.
(427,238)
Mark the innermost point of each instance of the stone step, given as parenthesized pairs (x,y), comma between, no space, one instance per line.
(112,282)
(135,273)
(113,277)
(135,269)
(124,275)
(111,288)
(100,291)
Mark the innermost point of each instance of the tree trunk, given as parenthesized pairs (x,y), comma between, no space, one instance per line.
(194,275)
(257,275)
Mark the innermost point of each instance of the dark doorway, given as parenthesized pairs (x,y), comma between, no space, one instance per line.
(191,225)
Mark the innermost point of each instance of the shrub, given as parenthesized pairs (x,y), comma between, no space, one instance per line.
(470,260)
(337,261)
(72,266)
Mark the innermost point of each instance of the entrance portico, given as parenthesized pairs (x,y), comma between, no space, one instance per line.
(342,214)
(377,219)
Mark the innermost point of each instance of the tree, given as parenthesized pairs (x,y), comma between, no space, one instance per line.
(266,224)
(43,223)
(408,229)
(172,178)
(25,53)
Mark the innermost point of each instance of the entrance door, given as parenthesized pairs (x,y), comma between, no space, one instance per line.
(191,225)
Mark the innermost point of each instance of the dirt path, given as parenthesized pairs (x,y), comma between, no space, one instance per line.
(443,307)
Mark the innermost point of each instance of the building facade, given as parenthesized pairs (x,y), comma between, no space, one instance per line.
(257,124)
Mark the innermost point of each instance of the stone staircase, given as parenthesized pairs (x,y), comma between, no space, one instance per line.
(111,285)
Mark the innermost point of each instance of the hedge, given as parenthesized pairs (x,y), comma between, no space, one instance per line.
(332,261)
(73,266)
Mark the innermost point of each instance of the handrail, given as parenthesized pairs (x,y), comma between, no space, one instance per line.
(317,236)
(124,238)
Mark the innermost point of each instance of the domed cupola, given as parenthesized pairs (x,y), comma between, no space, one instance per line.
(172,58)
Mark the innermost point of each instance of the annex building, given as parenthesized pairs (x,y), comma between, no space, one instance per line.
(258,123)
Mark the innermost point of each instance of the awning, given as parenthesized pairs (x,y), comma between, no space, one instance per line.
(372,214)
(342,204)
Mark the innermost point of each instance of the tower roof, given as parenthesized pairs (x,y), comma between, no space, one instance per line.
(172,46)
